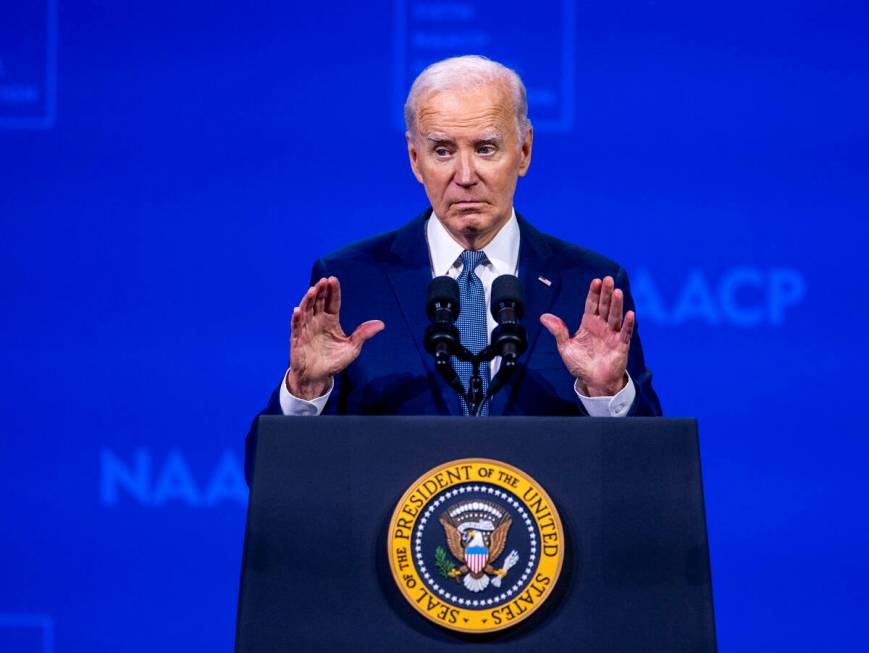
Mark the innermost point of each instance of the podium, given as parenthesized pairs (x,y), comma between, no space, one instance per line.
(316,573)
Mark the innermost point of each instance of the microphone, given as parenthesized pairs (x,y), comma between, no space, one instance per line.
(508,338)
(442,300)
(442,338)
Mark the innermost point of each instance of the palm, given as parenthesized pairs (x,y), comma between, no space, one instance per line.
(597,353)
(322,348)
(319,348)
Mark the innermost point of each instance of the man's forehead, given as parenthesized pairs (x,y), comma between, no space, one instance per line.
(481,112)
(483,134)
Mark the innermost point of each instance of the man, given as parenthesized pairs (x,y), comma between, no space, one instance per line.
(469,140)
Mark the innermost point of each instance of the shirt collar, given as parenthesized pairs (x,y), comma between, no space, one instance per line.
(502,252)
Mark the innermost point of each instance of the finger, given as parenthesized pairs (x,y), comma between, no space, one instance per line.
(593,297)
(307,303)
(606,295)
(333,298)
(295,333)
(320,296)
(308,311)
(556,326)
(365,331)
(628,327)
(296,323)
(615,318)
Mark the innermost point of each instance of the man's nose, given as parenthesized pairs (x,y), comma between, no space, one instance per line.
(466,173)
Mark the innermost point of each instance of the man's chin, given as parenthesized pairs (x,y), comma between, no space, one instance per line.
(473,217)
(471,228)
(471,223)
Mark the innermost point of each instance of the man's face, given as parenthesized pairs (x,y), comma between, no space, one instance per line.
(465,150)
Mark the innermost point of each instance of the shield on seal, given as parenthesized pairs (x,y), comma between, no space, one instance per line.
(476,558)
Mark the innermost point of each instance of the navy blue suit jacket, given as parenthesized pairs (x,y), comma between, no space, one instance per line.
(385,278)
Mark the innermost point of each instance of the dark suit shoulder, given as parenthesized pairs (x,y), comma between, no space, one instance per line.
(375,250)
(581,256)
(567,255)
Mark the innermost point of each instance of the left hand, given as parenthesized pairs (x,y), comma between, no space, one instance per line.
(597,354)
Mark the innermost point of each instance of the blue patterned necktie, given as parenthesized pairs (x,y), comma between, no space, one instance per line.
(472,322)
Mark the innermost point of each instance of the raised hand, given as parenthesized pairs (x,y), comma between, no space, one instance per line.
(597,354)
(319,348)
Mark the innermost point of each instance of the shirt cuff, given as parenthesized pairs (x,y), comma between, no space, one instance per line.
(616,406)
(295,407)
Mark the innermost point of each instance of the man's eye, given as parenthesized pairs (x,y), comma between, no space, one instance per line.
(486,149)
(442,151)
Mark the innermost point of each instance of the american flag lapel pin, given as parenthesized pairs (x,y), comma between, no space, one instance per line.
(544,281)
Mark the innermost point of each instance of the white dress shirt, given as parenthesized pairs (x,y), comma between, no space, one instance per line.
(502,257)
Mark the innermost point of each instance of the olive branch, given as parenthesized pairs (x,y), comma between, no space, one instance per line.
(443,563)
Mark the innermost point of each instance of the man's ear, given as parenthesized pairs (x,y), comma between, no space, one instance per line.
(413,155)
(525,161)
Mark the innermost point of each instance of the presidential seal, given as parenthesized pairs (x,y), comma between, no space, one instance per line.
(475,545)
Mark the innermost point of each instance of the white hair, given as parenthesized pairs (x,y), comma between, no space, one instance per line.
(462,73)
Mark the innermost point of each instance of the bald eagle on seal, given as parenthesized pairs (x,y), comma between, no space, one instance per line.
(476,534)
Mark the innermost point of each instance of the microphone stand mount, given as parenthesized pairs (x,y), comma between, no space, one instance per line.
(474,396)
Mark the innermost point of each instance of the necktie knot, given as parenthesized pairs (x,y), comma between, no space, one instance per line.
(471,259)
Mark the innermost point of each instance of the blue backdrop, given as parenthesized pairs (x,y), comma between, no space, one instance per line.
(169,171)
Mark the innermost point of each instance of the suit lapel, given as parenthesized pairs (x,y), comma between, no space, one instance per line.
(409,272)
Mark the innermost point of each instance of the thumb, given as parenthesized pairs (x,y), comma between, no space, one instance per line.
(556,326)
(365,331)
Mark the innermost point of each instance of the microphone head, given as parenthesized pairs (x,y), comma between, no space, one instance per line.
(507,291)
(443,292)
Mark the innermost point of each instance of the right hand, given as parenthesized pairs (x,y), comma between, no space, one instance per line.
(319,349)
